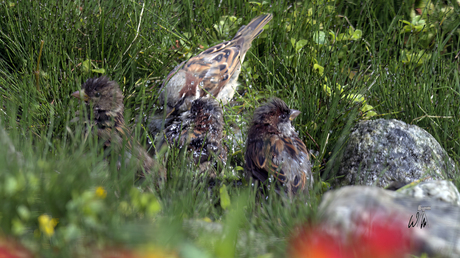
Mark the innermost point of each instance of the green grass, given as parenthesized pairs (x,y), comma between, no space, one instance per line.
(48,168)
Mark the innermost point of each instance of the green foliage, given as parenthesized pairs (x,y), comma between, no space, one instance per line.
(336,61)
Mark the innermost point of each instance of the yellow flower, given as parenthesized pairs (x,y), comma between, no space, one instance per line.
(47,224)
(101,192)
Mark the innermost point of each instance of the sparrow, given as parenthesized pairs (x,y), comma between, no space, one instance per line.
(106,100)
(214,72)
(274,150)
(200,131)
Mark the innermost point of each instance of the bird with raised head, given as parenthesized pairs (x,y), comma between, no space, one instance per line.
(214,72)
(105,99)
(274,150)
(200,131)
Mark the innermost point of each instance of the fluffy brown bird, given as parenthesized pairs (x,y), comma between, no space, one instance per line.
(200,130)
(274,149)
(107,121)
(214,72)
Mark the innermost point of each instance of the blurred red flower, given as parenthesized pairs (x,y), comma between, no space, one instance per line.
(11,249)
(386,237)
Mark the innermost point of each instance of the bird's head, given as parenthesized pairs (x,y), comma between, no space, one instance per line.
(103,94)
(277,114)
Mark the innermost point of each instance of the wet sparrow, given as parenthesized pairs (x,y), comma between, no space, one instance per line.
(107,121)
(274,149)
(200,130)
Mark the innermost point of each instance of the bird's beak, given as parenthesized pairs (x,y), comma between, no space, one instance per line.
(81,95)
(294,114)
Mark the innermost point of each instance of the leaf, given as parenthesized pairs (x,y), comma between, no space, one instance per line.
(100,70)
(227,23)
(370,114)
(366,108)
(18,227)
(71,232)
(154,207)
(327,89)
(339,87)
(207,219)
(357,34)
(256,3)
(23,212)
(420,28)
(417,20)
(86,66)
(343,52)
(351,31)
(224,197)
(418,58)
(319,37)
(325,186)
(343,36)
(416,25)
(357,98)
(332,34)
(293,42)
(406,22)
(319,68)
(369,110)
(405,29)
(300,44)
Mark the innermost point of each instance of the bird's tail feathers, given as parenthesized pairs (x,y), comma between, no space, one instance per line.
(254,28)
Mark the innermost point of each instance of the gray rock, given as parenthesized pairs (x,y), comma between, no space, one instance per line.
(441,190)
(342,212)
(381,152)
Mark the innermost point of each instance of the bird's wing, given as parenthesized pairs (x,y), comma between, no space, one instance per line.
(275,151)
(205,73)
(260,157)
(212,69)
(216,66)
(114,137)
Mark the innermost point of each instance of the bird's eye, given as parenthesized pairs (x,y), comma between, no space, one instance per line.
(97,94)
(283,116)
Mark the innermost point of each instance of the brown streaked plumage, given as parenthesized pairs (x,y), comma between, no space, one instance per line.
(273,148)
(106,100)
(200,129)
(214,72)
